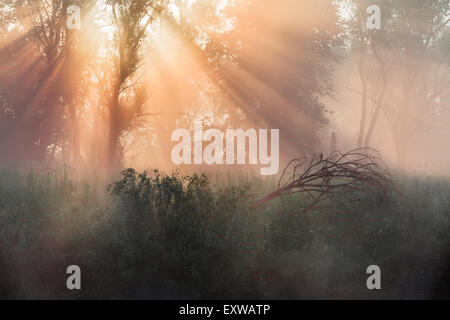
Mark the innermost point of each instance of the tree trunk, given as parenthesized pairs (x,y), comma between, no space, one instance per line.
(362,76)
(75,133)
(379,106)
(362,123)
(71,78)
(114,131)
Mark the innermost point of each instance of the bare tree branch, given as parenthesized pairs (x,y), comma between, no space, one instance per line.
(349,176)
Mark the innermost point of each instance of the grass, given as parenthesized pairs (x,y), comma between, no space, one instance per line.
(153,236)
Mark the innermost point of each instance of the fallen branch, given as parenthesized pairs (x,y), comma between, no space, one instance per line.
(350,176)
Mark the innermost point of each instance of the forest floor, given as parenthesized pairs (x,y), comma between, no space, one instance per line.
(167,236)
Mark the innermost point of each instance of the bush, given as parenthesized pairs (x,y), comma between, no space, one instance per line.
(171,236)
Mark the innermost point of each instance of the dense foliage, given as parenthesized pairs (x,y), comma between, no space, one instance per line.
(172,236)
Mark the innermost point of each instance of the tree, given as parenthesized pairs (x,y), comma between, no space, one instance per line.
(84,87)
(406,61)
(131,20)
(48,55)
(264,62)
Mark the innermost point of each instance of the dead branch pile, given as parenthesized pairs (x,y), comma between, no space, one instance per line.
(347,176)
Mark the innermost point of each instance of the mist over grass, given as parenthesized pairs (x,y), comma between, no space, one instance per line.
(152,235)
